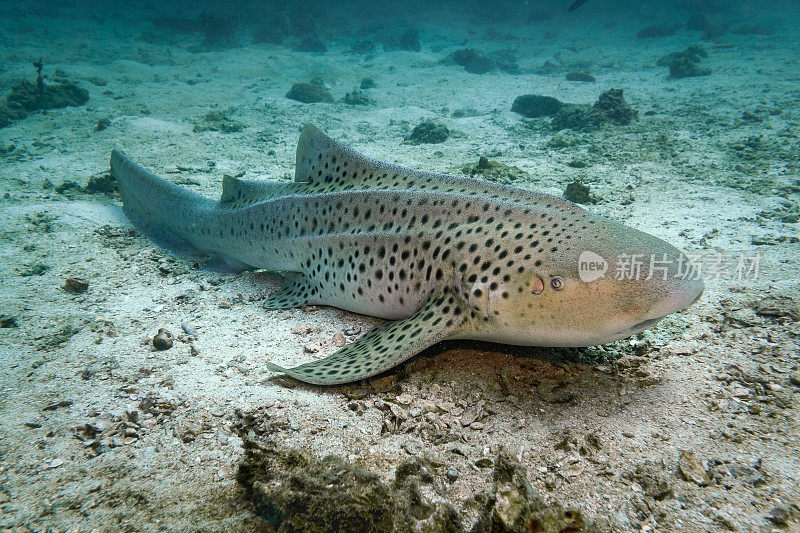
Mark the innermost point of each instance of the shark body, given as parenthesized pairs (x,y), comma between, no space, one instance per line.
(440,256)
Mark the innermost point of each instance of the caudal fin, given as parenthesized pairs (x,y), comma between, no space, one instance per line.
(162,210)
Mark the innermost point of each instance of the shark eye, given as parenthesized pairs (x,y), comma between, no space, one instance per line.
(537,285)
(557,283)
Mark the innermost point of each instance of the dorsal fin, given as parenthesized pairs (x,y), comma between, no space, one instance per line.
(324,165)
(238,193)
(315,149)
(230,187)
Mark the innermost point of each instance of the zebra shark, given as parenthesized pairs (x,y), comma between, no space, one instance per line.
(438,256)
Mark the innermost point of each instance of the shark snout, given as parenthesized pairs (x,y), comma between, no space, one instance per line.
(659,296)
(672,298)
(679,295)
(667,282)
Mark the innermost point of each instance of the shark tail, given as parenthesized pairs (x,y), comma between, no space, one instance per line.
(163,211)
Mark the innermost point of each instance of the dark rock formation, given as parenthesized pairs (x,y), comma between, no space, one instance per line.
(535,106)
(473,61)
(309,93)
(27,97)
(428,133)
(293,491)
(686,63)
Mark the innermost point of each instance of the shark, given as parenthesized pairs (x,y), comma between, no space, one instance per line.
(437,256)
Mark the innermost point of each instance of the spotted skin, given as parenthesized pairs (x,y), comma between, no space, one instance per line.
(295,292)
(443,256)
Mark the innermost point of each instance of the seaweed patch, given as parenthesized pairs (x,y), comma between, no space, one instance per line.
(28,97)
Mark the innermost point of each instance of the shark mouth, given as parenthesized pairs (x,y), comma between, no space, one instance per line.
(641,326)
(661,310)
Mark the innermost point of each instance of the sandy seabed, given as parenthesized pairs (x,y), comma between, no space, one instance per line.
(692,426)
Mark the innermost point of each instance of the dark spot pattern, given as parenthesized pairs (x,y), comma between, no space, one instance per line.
(378,239)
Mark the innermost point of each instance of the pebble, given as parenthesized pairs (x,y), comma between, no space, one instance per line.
(225,304)
(451,474)
(692,469)
(311,348)
(89,431)
(404,399)
(780,369)
(779,515)
(188,329)
(573,468)
(458,451)
(163,340)
(352,330)
(56,405)
(741,392)
(55,463)
(76,285)
(725,520)
(794,379)
(302,329)
(339,340)
(472,414)
(384,383)
(429,407)
(397,412)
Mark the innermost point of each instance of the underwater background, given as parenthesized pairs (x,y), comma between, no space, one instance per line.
(134,392)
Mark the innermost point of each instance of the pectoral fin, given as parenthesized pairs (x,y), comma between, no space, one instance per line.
(296,291)
(384,346)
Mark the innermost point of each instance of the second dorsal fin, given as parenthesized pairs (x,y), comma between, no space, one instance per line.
(238,193)
(231,188)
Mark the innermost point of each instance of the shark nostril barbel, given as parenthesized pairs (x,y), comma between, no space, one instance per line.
(440,256)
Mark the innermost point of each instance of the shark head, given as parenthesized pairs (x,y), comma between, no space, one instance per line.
(609,283)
